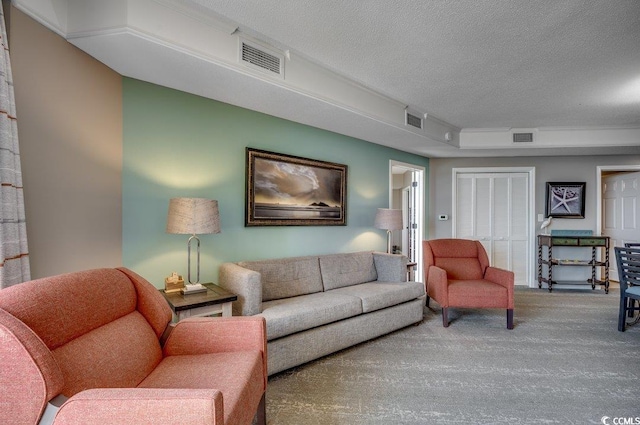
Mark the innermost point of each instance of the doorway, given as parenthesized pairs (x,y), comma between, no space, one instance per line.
(494,206)
(618,207)
(406,193)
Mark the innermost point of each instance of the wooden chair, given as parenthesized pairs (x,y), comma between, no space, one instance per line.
(632,301)
(628,260)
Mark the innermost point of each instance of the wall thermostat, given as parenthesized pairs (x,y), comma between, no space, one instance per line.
(443,217)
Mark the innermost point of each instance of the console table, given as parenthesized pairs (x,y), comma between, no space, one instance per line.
(593,242)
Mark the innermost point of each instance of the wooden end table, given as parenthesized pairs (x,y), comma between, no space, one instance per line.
(411,271)
(215,300)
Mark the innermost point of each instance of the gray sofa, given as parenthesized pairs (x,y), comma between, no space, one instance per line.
(317,305)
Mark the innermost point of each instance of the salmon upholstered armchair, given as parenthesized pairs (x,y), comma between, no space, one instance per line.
(459,275)
(100,344)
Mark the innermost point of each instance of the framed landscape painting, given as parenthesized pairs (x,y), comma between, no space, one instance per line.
(285,190)
(565,200)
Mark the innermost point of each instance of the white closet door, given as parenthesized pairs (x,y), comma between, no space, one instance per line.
(493,208)
(621,213)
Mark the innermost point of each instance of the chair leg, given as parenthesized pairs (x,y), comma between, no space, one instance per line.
(622,313)
(262,411)
(509,318)
(445,317)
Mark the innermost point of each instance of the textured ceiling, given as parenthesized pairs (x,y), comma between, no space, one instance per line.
(471,63)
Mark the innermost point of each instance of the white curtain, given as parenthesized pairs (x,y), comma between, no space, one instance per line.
(14,254)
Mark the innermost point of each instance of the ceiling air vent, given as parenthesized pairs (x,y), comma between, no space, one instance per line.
(522,137)
(256,56)
(413,120)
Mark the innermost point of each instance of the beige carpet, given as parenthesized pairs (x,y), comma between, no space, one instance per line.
(564,363)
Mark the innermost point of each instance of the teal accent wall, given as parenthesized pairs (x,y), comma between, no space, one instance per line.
(179,145)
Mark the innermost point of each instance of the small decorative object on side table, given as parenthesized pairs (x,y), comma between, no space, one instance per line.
(215,300)
(173,283)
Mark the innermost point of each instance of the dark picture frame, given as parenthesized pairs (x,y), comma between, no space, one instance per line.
(286,190)
(565,200)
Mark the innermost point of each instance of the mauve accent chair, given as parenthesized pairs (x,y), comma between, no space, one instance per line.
(459,275)
(103,339)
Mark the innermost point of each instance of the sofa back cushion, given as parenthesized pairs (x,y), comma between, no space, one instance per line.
(340,270)
(90,321)
(287,277)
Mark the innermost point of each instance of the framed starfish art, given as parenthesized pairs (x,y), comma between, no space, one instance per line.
(565,200)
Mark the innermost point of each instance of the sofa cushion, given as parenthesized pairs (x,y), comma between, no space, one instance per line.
(339,270)
(287,277)
(239,375)
(390,267)
(291,315)
(377,295)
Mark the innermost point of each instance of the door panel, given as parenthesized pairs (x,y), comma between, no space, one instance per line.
(465,206)
(519,208)
(483,207)
(620,216)
(501,254)
(501,207)
(520,260)
(629,213)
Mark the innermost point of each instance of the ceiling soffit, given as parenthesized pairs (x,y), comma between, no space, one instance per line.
(167,43)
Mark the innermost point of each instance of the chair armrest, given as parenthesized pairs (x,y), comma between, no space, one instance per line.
(390,267)
(437,285)
(246,284)
(204,335)
(29,375)
(501,277)
(142,405)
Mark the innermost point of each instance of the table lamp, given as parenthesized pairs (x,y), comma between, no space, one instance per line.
(389,220)
(193,216)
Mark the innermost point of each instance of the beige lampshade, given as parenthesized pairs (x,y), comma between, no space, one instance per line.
(193,216)
(388,219)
